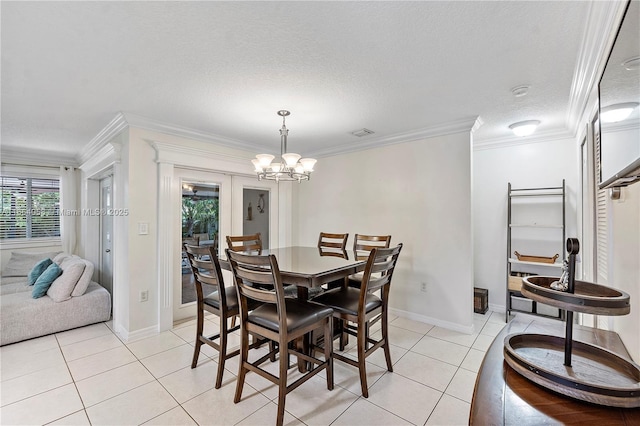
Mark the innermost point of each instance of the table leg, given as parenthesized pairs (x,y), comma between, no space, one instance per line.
(303,344)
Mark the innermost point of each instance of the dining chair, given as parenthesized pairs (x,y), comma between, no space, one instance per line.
(222,301)
(332,241)
(360,307)
(245,243)
(362,246)
(329,244)
(280,319)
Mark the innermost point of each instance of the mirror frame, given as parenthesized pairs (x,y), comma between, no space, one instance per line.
(631,172)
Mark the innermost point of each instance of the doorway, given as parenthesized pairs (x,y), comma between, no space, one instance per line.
(204,219)
(256,207)
(106,234)
(200,227)
(226,195)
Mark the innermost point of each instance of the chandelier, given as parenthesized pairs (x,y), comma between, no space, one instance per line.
(292,167)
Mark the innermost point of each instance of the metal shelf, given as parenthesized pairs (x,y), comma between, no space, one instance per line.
(534,225)
(558,193)
(523,262)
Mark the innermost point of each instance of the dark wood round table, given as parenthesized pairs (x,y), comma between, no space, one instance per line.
(503,397)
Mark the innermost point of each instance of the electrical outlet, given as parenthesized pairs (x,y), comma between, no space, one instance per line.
(144,295)
(423,287)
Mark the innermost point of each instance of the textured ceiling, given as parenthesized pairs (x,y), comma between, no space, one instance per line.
(225,68)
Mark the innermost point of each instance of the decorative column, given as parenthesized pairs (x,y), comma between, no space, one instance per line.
(165,246)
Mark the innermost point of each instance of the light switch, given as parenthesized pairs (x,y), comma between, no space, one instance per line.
(143,228)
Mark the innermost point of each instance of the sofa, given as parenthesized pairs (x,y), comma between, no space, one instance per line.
(72,300)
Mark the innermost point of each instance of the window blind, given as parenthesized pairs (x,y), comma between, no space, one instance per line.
(602,245)
(30,208)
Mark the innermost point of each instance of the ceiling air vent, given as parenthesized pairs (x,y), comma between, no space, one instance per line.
(362,132)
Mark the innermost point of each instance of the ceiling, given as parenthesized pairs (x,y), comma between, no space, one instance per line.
(225,68)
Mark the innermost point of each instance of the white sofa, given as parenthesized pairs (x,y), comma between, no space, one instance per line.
(23,317)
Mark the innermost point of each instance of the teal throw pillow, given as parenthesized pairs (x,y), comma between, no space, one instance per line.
(44,281)
(38,269)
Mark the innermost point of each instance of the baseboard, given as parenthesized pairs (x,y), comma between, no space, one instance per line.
(435,321)
(497,308)
(128,337)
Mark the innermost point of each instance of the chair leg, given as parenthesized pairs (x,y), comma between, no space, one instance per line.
(272,346)
(199,330)
(361,360)
(282,385)
(328,351)
(233,321)
(244,357)
(222,352)
(344,337)
(385,336)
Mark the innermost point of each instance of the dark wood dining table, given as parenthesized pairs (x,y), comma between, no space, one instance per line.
(307,267)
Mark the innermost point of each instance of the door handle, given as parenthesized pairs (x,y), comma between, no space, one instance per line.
(108,251)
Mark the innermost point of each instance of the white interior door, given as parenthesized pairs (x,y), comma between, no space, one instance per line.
(182,274)
(247,217)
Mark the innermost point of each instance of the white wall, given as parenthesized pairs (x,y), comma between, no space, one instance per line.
(539,164)
(419,193)
(141,174)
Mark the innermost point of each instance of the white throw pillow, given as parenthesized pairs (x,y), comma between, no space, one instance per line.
(60,257)
(63,286)
(85,279)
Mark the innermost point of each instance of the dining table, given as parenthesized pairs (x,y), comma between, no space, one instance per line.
(309,267)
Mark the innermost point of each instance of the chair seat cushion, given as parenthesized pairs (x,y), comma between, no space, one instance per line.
(299,314)
(213,299)
(346,301)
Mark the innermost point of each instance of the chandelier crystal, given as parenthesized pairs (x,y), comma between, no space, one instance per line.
(292,167)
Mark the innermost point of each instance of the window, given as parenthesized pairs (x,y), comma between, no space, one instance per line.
(30,208)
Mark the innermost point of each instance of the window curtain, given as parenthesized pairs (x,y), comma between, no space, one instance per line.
(68,208)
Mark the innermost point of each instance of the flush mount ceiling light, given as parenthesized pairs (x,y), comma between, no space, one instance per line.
(631,64)
(292,168)
(617,112)
(524,128)
(520,91)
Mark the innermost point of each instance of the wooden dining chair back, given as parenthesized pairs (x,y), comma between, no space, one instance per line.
(332,241)
(363,244)
(360,307)
(245,243)
(214,297)
(280,319)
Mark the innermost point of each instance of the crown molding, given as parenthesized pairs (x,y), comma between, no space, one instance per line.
(600,31)
(457,126)
(205,159)
(517,141)
(36,158)
(111,130)
(185,132)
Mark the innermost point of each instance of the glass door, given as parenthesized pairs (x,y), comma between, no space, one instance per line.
(205,203)
(255,209)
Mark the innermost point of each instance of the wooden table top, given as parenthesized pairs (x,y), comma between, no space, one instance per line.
(503,397)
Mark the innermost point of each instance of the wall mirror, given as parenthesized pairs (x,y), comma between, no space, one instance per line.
(619,95)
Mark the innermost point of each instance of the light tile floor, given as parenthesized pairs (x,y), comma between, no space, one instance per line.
(88,376)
